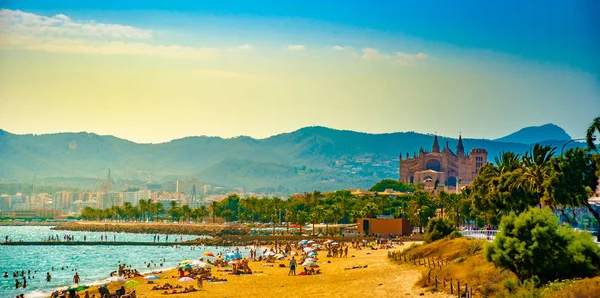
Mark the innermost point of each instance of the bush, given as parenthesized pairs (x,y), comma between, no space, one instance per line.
(454,235)
(534,247)
(438,228)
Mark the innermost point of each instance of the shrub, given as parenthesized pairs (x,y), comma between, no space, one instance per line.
(534,247)
(454,235)
(438,228)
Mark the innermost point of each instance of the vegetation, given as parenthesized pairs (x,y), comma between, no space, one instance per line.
(534,247)
(394,185)
(438,228)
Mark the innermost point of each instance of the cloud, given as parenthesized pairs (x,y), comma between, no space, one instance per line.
(339,48)
(407,59)
(61,34)
(79,46)
(371,54)
(296,48)
(399,58)
(24,23)
(244,47)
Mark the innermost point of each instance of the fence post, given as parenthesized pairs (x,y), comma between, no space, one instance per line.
(444,283)
(436,282)
(451,287)
(429,277)
(458,287)
(466,290)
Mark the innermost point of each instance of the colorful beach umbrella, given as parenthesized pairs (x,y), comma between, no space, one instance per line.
(152,277)
(77,287)
(307,249)
(269,253)
(310,260)
(208,254)
(302,242)
(310,264)
(116,279)
(132,283)
(311,241)
(232,256)
(186,279)
(185,262)
(312,253)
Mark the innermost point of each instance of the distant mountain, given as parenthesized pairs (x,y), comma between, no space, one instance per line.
(536,134)
(304,160)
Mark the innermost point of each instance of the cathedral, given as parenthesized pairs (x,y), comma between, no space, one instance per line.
(445,167)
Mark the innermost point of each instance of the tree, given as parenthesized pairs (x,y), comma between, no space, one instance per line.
(533,246)
(421,207)
(371,210)
(572,181)
(592,129)
(537,168)
(438,228)
(392,184)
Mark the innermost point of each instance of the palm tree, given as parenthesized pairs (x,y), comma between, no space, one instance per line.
(144,206)
(537,168)
(593,129)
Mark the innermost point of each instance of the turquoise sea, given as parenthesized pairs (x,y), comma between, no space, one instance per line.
(93,263)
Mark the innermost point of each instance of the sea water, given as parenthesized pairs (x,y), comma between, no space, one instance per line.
(93,263)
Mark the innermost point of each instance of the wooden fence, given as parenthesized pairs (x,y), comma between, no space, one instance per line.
(444,284)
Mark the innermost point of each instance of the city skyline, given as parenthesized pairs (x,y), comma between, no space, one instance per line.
(152,72)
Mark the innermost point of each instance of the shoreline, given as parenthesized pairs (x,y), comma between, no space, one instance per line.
(380,278)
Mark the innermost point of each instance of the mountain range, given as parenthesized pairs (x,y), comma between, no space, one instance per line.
(304,160)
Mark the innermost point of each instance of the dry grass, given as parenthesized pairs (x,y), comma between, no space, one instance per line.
(465,263)
(589,287)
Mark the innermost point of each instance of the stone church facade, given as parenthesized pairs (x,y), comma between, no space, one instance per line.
(448,168)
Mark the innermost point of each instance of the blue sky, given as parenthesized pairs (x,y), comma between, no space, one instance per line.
(538,57)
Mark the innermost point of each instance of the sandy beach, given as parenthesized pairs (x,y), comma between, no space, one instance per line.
(380,279)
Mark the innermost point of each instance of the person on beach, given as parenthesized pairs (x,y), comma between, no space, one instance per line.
(199,281)
(76,278)
(48,277)
(292,267)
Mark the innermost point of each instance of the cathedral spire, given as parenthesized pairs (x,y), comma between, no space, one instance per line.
(460,149)
(436,146)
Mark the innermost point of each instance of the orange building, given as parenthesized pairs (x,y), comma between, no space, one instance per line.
(396,226)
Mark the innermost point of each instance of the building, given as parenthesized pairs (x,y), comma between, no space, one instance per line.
(384,226)
(446,167)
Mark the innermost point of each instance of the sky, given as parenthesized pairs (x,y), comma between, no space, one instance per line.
(153,71)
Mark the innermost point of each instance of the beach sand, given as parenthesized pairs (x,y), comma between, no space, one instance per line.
(380,279)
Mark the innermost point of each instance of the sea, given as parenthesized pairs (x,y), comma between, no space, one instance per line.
(93,263)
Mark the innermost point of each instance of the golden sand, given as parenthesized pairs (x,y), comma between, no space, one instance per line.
(380,279)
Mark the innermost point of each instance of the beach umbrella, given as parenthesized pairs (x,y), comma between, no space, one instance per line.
(185,262)
(302,242)
(279,256)
(310,264)
(152,277)
(185,266)
(186,279)
(307,249)
(196,263)
(77,287)
(232,256)
(206,265)
(311,241)
(208,254)
(116,279)
(269,253)
(316,245)
(310,260)
(312,253)
(132,283)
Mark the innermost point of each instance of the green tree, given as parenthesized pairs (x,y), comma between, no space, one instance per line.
(438,228)
(572,181)
(421,208)
(393,184)
(592,129)
(537,168)
(533,246)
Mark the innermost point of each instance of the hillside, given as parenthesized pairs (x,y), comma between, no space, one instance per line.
(535,134)
(307,159)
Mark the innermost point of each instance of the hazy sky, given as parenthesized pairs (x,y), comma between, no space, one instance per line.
(152,71)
